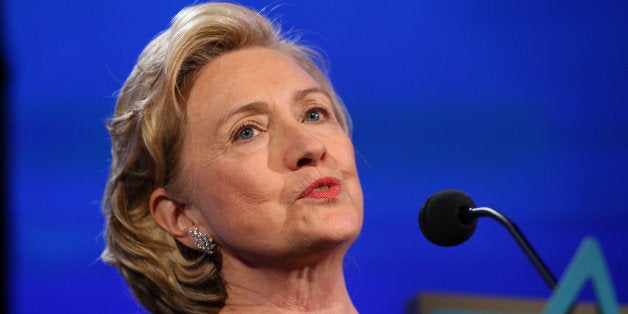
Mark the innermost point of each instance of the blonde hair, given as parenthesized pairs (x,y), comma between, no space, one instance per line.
(146,134)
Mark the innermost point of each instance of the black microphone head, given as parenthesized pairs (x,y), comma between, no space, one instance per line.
(444,218)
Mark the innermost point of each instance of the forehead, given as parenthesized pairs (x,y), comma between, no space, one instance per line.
(245,76)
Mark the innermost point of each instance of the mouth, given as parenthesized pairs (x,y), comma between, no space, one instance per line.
(323,188)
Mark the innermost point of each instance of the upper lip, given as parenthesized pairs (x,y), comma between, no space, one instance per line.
(323,181)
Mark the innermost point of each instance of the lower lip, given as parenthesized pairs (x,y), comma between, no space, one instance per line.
(330,193)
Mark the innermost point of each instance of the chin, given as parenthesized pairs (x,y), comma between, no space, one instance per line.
(315,245)
(338,231)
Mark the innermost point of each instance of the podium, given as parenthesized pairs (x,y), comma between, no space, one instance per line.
(587,264)
(452,303)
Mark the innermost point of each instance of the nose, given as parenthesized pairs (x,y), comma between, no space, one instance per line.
(303,148)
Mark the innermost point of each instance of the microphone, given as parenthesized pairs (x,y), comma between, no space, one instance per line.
(444,218)
(449,218)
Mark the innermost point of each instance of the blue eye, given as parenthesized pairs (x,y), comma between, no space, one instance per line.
(246,133)
(312,116)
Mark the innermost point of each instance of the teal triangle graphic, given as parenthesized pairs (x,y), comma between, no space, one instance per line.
(587,264)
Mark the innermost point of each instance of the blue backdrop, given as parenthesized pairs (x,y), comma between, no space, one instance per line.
(523,105)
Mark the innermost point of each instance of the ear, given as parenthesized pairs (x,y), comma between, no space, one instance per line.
(171,217)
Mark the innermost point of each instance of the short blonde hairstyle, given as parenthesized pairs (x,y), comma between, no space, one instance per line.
(146,134)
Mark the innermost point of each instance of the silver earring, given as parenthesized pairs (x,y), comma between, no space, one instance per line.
(202,241)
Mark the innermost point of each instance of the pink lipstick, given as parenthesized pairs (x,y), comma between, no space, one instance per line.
(323,188)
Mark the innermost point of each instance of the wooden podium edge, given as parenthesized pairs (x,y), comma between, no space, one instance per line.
(428,302)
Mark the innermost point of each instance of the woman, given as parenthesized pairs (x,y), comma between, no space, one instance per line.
(233,185)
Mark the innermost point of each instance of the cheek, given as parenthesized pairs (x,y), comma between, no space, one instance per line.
(346,162)
(345,155)
(226,189)
(231,195)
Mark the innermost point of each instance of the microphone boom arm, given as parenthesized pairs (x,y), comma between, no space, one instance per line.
(520,239)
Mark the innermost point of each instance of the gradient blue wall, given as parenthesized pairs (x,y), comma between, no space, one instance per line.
(522,105)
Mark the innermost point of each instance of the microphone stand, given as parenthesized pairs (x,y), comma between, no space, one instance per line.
(527,248)
(521,240)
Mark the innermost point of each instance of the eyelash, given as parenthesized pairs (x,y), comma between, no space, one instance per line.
(324,112)
(235,137)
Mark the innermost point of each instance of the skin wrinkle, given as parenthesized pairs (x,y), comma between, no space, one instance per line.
(299,300)
(251,208)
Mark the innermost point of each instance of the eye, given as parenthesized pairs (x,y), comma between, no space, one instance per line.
(245,133)
(315,114)
(312,116)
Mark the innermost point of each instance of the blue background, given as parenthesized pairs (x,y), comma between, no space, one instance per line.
(522,104)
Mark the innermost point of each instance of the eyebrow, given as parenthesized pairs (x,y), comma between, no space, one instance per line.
(255,107)
(299,95)
(259,107)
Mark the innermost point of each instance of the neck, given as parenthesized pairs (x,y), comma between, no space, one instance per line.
(318,287)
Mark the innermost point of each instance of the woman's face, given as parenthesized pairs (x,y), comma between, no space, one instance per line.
(272,173)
